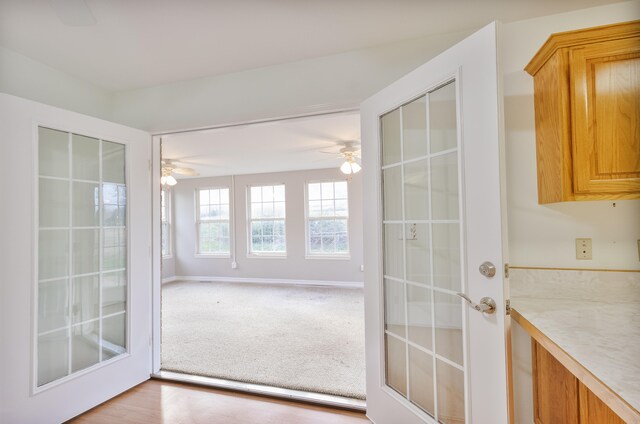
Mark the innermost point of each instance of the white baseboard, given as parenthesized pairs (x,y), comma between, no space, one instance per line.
(350,284)
(168,280)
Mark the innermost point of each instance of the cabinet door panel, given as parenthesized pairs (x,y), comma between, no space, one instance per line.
(555,390)
(605,79)
(595,411)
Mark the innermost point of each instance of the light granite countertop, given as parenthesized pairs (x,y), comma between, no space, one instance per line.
(593,316)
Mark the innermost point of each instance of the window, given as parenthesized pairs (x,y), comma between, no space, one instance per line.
(165,212)
(82,268)
(212,212)
(267,220)
(327,219)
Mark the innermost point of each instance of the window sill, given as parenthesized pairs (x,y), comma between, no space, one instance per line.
(346,257)
(212,256)
(267,256)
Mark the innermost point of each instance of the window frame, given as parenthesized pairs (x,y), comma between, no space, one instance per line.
(249,220)
(167,196)
(307,236)
(198,221)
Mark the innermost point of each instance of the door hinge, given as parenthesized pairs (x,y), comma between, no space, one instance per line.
(506,270)
(508,307)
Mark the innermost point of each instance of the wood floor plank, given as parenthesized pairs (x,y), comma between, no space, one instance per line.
(159,402)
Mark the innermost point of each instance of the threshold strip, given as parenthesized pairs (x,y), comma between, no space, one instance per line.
(258,389)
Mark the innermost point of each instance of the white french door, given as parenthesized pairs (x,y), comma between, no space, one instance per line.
(434,193)
(76,291)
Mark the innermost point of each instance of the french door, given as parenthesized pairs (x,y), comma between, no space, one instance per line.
(435,290)
(75,298)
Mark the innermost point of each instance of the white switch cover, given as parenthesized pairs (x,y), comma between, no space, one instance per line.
(583,248)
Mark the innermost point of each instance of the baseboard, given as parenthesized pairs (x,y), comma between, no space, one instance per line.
(350,284)
(169,280)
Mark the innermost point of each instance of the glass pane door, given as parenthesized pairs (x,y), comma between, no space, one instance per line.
(82,254)
(423,332)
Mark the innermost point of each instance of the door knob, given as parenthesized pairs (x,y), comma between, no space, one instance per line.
(486,305)
(487,269)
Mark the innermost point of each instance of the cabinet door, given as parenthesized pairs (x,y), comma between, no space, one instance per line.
(605,80)
(595,411)
(555,389)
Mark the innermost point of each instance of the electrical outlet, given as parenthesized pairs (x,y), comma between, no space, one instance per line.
(234,265)
(362,266)
(583,248)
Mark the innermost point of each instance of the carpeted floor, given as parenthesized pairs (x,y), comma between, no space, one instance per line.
(296,337)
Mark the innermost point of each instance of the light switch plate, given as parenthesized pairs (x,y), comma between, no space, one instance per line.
(583,248)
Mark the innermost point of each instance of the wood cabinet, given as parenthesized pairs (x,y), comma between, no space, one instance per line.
(587,107)
(559,397)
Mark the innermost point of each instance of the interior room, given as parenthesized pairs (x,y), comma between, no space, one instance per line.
(493,228)
(273,255)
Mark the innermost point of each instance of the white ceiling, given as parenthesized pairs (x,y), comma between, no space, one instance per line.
(138,43)
(286,145)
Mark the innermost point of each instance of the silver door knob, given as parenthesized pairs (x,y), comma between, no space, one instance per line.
(487,269)
(487,305)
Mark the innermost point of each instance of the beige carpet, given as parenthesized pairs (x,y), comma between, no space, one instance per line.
(296,337)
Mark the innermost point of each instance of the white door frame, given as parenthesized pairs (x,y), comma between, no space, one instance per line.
(486,235)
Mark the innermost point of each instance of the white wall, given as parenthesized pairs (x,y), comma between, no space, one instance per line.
(294,266)
(29,79)
(319,84)
(544,235)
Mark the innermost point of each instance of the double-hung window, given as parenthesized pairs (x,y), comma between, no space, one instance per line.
(267,220)
(327,219)
(165,212)
(212,221)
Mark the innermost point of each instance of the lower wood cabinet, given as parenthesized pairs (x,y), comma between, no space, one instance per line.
(560,398)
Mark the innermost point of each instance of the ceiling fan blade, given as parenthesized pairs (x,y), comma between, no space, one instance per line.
(185,171)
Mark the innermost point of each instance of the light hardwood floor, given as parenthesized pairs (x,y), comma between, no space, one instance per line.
(164,402)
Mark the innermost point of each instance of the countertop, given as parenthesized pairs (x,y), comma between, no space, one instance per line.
(593,317)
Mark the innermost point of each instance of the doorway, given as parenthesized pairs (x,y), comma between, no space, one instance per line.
(261,241)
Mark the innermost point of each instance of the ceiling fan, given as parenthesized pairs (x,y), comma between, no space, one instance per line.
(169,168)
(349,151)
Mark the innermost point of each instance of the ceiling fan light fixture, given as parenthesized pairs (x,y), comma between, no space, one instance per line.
(350,167)
(171,181)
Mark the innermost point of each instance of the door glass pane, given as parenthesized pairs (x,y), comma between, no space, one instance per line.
(390,127)
(424,331)
(53,305)
(53,356)
(446,256)
(417,252)
(444,186)
(85,346)
(394,318)
(54,203)
(392,183)
(420,327)
(414,128)
(416,190)
(442,118)
(82,253)
(394,257)
(396,364)
(53,151)
(85,158)
(86,204)
(449,327)
(450,393)
(421,380)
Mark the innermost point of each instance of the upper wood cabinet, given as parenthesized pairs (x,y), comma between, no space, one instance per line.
(587,106)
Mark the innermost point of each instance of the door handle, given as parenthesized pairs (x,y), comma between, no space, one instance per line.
(486,305)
